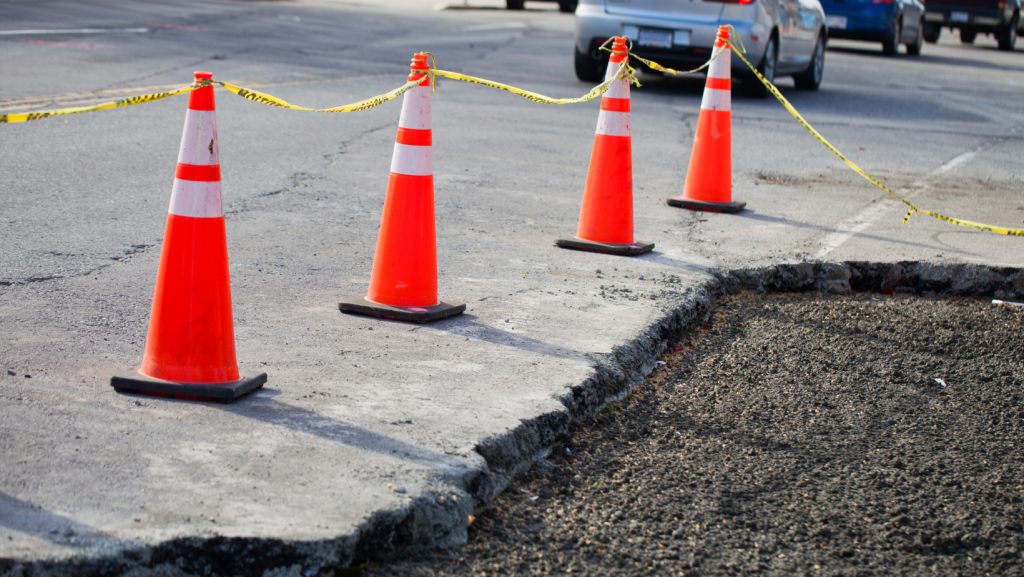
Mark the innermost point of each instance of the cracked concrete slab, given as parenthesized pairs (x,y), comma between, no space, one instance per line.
(376,434)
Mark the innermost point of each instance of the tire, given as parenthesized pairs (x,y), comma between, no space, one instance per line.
(588,69)
(753,87)
(891,45)
(515,4)
(810,79)
(967,36)
(915,48)
(567,5)
(931,33)
(1007,37)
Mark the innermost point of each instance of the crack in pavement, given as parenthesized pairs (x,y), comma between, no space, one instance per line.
(125,258)
(301,179)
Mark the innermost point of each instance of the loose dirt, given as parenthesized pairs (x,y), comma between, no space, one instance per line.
(802,435)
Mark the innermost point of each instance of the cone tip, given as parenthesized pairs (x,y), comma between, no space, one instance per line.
(419,62)
(203,75)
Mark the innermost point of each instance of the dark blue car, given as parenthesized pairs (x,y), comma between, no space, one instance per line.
(891,22)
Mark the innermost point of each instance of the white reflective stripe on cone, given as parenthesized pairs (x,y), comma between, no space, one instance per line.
(715,99)
(199,139)
(196,199)
(416,109)
(720,67)
(412,160)
(611,123)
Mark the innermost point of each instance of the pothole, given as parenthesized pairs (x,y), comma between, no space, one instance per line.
(794,432)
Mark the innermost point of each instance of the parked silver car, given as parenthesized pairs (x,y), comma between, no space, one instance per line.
(783,37)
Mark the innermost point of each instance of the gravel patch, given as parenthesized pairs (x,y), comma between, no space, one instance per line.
(790,434)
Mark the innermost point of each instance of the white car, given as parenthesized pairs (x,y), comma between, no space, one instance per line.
(782,37)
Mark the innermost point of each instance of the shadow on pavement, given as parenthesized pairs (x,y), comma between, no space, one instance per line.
(467,326)
(24,517)
(262,407)
(662,258)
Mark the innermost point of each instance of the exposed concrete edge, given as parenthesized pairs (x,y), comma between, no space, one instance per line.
(424,522)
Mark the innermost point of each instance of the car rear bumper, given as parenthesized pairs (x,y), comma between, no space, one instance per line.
(594,26)
(976,18)
(874,22)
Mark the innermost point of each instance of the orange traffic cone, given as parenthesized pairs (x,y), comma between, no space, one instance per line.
(403,284)
(606,216)
(190,348)
(708,183)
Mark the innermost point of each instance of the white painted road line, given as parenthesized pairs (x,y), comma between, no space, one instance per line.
(75,31)
(859,223)
(955,162)
(867,217)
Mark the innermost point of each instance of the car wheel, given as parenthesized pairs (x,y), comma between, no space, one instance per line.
(967,36)
(1007,37)
(515,4)
(588,69)
(567,5)
(931,33)
(891,45)
(915,48)
(810,79)
(752,86)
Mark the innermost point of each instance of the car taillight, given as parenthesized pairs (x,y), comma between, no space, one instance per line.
(881,1)
(1002,4)
(735,1)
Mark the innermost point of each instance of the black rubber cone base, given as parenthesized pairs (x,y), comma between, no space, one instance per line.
(134,382)
(706,206)
(362,306)
(631,249)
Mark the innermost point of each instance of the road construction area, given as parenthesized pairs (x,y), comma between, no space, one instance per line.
(786,435)
(374,435)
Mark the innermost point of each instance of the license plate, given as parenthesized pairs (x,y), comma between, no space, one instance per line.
(655,38)
(838,22)
(959,16)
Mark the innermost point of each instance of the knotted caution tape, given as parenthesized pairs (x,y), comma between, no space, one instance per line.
(912,208)
(655,66)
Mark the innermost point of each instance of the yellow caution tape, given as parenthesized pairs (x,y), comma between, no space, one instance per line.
(625,71)
(655,66)
(269,100)
(26,116)
(913,209)
(246,93)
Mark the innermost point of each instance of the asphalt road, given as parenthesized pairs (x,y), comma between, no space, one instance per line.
(348,412)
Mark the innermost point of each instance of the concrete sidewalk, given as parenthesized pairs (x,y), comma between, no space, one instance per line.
(373,434)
